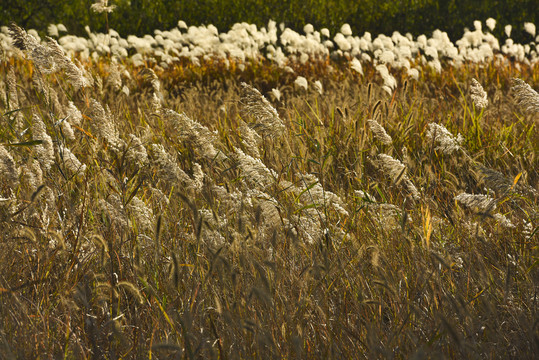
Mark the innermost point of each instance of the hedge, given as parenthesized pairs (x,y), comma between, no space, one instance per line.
(141,17)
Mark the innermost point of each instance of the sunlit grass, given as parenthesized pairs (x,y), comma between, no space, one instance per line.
(184,237)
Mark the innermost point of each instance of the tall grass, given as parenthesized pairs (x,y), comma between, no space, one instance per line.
(185,217)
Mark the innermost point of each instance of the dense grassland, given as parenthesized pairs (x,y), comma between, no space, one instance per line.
(175,213)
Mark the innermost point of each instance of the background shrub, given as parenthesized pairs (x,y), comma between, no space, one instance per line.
(143,16)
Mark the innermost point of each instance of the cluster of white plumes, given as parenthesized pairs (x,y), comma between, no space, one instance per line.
(285,46)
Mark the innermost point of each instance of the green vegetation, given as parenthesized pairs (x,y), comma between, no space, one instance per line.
(141,17)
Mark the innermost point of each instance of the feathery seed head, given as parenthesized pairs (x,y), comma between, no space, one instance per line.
(13,98)
(114,210)
(379,132)
(254,170)
(444,140)
(20,37)
(318,87)
(52,30)
(136,152)
(114,78)
(67,130)
(32,175)
(70,160)
(45,150)
(193,132)
(101,6)
(198,177)
(43,59)
(301,82)
(276,93)
(491,23)
(8,168)
(478,203)
(356,66)
(396,171)
(495,180)
(41,55)
(503,221)
(391,167)
(168,168)
(529,27)
(507,30)
(525,96)
(150,76)
(311,192)
(250,139)
(11,82)
(142,214)
(266,119)
(103,125)
(74,114)
(74,74)
(479,95)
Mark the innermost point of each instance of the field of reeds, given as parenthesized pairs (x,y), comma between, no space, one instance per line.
(328,204)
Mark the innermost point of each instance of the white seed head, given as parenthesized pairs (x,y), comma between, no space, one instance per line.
(379,132)
(396,171)
(250,139)
(45,150)
(141,214)
(73,73)
(266,119)
(75,116)
(525,96)
(301,82)
(478,203)
(9,173)
(479,95)
(254,170)
(503,221)
(167,166)
(136,152)
(32,175)
(101,6)
(529,27)
(103,125)
(70,160)
(356,66)
(507,30)
(491,23)
(444,140)
(193,132)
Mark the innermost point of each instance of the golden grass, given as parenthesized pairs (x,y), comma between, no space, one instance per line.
(163,248)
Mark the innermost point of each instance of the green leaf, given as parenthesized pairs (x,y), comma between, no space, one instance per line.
(27,143)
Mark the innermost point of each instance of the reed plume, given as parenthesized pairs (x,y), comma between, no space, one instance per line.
(525,96)
(254,170)
(73,73)
(45,150)
(40,54)
(103,125)
(479,95)
(70,160)
(8,168)
(266,119)
(379,132)
(478,203)
(396,171)
(445,141)
(102,6)
(193,132)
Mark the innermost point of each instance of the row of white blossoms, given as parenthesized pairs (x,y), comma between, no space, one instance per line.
(283,45)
